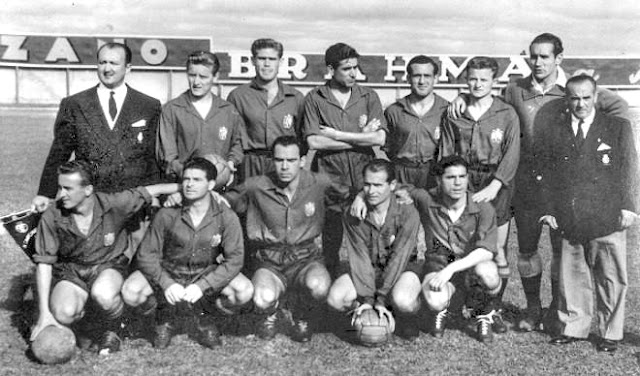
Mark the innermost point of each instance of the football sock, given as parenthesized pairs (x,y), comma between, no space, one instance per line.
(531,287)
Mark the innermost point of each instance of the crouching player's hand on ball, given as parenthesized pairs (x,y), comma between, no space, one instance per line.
(383,311)
(358,311)
(45,319)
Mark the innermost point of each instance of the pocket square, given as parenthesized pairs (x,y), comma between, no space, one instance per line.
(603,147)
(139,123)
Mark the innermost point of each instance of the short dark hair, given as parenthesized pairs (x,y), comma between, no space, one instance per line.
(289,141)
(446,162)
(379,164)
(483,62)
(202,164)
(208,59)
(260,44)
(338,52)
(114,45)
(551,39)
(86,169)
(421,59)
(580,79)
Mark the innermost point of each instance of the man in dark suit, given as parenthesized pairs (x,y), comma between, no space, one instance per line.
(589,169)
(110,125)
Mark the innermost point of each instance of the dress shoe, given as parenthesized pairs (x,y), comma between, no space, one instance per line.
(562,340)
(607,345)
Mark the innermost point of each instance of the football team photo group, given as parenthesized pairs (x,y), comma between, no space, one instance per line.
(270,213)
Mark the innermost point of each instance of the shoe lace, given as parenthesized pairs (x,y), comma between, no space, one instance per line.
(485,321)
(270,321)
(440,317)
(302,325)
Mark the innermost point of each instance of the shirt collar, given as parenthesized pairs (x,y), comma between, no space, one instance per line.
(282,88)
(586,122)
(119,92)
(438,202)
(561,81)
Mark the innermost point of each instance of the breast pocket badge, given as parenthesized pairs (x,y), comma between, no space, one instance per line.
(216,240)
(287,121)
(109,239)
(309,209)
(496,136)
(362,121)
(222,133)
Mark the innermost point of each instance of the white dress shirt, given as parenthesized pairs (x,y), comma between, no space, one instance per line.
(119,93)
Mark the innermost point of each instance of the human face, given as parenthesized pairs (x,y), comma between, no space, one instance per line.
(544,63)
(112,67)
(195,184)
(345,74)
(288,162)
(267,64)
(480,82)
(200,79)
(376,188)
(71,192)
(454,182)
(581,97)
(422,79)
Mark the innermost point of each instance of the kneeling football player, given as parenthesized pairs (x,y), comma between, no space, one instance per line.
(285,215)
(461,244)
(80,257)
(192,255)
(378,257)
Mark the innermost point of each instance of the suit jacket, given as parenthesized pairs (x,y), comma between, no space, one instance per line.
(124,156)
(586,187)
(527,101)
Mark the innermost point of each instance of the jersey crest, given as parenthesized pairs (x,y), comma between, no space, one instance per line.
(496,136)
(109,239)
(436,133)
(362,121)
(222,133)
(216,240)
(287,121)
(309,209)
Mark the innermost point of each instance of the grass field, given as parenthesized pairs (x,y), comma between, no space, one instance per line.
(24,142)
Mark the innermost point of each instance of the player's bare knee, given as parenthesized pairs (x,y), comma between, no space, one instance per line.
(105,297)
(340,300)
(243,293)
(436,300)
(66,314)
(488,273)
(404,302)
(318,286)
(264,299)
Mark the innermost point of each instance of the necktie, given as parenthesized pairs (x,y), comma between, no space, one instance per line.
(579,134)
(113,111)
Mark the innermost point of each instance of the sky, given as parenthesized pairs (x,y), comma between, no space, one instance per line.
(493,27)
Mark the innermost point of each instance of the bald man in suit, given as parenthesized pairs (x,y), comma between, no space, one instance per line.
(111,125)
